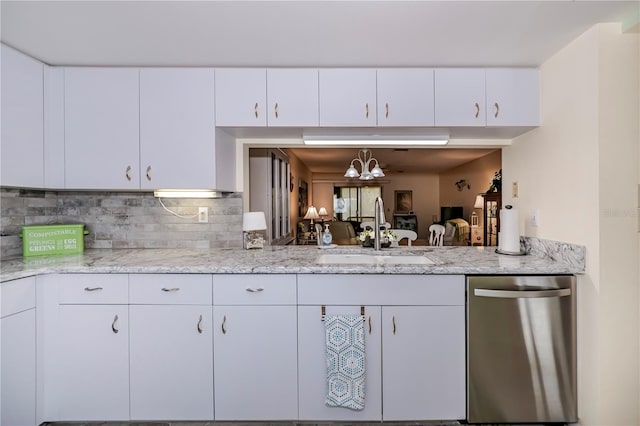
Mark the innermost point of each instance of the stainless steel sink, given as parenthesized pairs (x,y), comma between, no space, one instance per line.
(372,259)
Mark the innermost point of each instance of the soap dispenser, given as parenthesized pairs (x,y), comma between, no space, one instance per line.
(326,236)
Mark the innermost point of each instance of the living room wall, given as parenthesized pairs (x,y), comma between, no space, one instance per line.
(477,175)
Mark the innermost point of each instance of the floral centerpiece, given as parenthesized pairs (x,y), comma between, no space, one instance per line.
(367,237)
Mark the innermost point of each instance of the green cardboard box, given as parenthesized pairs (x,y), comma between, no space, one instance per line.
(38,240)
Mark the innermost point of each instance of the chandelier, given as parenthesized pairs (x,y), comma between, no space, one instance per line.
(365,157)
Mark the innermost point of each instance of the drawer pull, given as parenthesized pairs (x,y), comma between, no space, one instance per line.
(170,289)
(199,326)
(224,322)
(366,109)
(386,106)
(148,173)
(92,288)
(477,105)
(276,110)
(255,290)
(127,173)
(393,321)
(369,324)
(497,110)
(114,325)
(255,110)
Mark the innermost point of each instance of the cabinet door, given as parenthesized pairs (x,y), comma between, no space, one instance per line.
(292,96)
(102,128)
(171,362)
(18,369)
(255,363)
(93,367)
(22,120)
(177,130)
(405,97)
(312,366)
(347,97)
(513,97)
(460,97)
(423,348)
(241,97)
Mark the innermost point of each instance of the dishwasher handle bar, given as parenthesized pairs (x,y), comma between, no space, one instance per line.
(521,294)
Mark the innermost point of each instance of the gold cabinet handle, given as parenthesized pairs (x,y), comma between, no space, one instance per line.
(114,325)
(224,322)
(393,321)
(255,110)
(199,325)
(127,173)
(170,289)
(92,288)
(386,112)
(366,109)
(148,173)
(276,110)
(477,105)
(369,324)
(497,110)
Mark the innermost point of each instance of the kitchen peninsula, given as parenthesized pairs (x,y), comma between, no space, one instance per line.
(243,330)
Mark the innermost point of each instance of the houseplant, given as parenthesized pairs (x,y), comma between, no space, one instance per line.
(367,237)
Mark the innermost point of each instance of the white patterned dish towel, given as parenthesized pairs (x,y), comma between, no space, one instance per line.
(345,361)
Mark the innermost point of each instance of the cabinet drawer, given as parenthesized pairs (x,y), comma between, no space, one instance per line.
(254,289)
(18,296)
(345,289)
(170,289)
(94,289)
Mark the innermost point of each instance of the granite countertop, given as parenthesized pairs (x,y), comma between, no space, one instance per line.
(292,259)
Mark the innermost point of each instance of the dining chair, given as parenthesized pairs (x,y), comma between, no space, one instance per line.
(436,234)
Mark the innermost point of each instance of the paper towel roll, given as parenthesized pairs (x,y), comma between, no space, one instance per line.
(509,239)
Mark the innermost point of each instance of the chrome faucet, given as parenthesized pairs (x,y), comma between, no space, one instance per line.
(379,221)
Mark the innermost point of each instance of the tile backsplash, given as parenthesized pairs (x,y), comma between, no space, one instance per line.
(122,219)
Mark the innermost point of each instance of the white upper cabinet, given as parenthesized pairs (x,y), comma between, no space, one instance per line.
(460,97)
(177,130)
(102,128)
(347,97)
(22,120)
(405,97)
(292,96)
(241,97)
(513,97)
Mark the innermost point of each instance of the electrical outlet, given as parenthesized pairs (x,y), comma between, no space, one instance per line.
(514,189)
(203,214)
(535,218)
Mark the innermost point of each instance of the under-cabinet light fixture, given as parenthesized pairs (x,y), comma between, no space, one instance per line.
(376,137)
(185,193)
(375,142)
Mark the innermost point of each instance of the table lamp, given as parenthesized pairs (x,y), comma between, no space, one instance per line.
(312,214)
(323,213)
(252,222)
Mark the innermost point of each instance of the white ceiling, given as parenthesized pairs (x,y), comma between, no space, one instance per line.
(309,33)
(302,33)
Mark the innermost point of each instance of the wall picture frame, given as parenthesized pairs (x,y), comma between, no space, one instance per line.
(403,201)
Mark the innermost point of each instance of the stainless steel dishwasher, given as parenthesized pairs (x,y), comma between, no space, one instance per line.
(521,349)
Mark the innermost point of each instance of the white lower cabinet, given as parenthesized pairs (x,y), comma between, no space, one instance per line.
(414,345)
(92,346)
(18,353)
(423,370)
(171,347)
(312,366)
(255,355)
(18,369)
(93,363)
